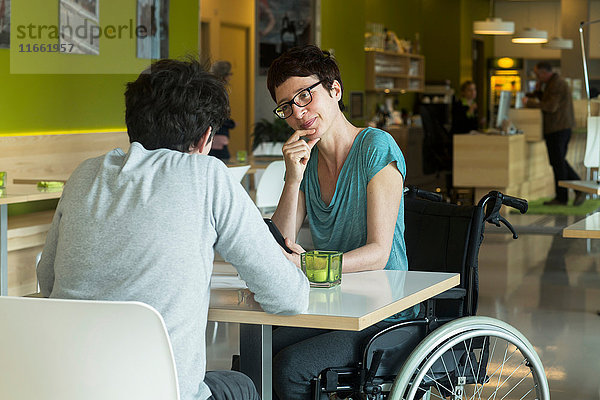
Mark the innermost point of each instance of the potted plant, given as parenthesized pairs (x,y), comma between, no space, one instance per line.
(268,137)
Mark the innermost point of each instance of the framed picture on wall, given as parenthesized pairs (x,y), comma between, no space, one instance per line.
(153,29)
(4,24)
(283,24)
(79,20)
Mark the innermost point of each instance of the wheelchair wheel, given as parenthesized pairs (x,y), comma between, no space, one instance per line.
(472,358)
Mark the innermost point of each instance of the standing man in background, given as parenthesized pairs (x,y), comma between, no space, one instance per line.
(554,99)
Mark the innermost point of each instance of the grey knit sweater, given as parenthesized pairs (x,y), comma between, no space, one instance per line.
(144,225)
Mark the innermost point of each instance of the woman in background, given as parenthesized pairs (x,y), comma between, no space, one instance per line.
(464,110)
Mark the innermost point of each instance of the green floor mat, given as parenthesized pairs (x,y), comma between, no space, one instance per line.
(537,207)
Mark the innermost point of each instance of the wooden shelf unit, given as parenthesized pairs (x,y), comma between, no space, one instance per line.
(389,72)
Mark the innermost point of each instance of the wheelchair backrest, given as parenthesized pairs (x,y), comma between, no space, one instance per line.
(439,237)
(443,237)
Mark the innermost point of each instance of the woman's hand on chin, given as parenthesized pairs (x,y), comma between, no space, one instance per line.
(296,153)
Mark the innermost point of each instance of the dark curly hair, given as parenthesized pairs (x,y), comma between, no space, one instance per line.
(304,61)
(172,104)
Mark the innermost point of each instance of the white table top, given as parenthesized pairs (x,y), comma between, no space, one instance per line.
(256,162)
(587,228)
(591,187)
(362,299)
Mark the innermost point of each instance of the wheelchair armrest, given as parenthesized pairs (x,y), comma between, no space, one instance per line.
(451,294)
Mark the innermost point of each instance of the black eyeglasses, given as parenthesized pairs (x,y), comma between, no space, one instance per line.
(302,99)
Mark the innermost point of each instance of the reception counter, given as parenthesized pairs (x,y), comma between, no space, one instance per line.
(529,121)
(482,160)
(508,163)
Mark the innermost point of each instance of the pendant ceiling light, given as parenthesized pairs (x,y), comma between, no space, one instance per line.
(530,36)
(557,42)
(493,26)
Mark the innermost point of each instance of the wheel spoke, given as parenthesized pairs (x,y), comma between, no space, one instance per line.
(490,357)
(477,388)
(501,365)
(472,365)
(501,370)
(500,384)
(439,396)
(529,391)
(467,353)
(479,366)
(469,358)
(447,373)
(522,379)
(437,383)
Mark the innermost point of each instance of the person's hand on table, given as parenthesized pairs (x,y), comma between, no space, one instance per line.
(297,250)
(296,153)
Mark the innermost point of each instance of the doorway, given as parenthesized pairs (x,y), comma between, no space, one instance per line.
(234,47)
(205,41)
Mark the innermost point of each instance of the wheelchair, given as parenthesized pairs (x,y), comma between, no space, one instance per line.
(460,355)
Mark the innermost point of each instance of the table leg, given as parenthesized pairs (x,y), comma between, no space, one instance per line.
(3,250)
(256,357)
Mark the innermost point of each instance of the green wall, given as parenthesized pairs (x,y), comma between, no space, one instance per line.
(63,102)
(342,29)
(438,22)
(78,101)
(441,39)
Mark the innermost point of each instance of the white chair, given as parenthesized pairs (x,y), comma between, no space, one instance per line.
(238,172)
(94,350)
(37,262)
(270,186)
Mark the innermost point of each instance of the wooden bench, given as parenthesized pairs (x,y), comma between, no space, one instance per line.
(26,238)
(43,157)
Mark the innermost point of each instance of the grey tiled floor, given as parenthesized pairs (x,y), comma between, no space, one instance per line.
(546,286)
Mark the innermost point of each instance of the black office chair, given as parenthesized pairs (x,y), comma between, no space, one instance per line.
(439,237)
(437,142)
(437,145)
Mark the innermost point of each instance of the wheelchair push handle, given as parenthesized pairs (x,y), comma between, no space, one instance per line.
(493,202)
(496,199)
(414,192)
(515,202)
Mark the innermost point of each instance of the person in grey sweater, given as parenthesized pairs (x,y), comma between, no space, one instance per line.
(143,225)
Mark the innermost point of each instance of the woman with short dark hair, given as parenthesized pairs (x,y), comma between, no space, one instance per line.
(348,180)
